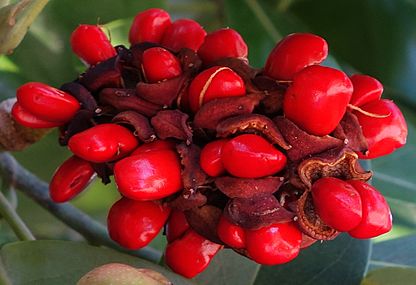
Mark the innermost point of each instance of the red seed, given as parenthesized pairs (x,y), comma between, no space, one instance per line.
(149,26)
(47,103)
(70,179)
(91,44)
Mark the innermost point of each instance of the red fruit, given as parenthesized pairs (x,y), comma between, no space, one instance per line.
(221,44)
(154,146)
(215,82)
(317,99)
(103,143)
(383,135)
(176,226)
(159,64)
(275,244)
(91,44)
(190,254)
(337,203)
(47,103)
(377,218)
(251,156)
(366,89)
(134,224)
(29,120)
(211,158)
(70,179)
(294,53)
(184,33)
(149,26)
(231,234)
(149,175)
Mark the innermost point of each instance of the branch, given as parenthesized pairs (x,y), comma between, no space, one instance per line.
(38,190)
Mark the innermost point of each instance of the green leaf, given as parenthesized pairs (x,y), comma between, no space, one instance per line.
(227,268)
(375,37)
(391,276)
(400,252)
(15,20)
(63,262)
(341,261)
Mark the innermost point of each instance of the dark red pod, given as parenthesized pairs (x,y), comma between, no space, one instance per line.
(294,53)
(376,218)
(91,44)
(70,179)
(102,143)
(176,226)
(149,26)
(211,158)
(337,203)
(159,64)
(366,89)
(383,134)
(212,83)
(149,175)
(251,156)
(29,120)
(275,244)
(317,99)
(47,103)
(190,254)
(232,235)
(222,43)
(184,33)
(134,224)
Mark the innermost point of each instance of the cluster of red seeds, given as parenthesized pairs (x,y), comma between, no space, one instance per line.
(264,161)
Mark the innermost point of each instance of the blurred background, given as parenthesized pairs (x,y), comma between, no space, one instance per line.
(375,37)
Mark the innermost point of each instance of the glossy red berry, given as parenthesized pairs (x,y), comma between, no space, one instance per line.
(383,135)
(102,143)
(190,254)
(70,179)
(176,226)
(91,44)
(211,158)
(154,146)
(377,218)
(159,64)
(134,224)
(47,103)
(251,156)
(215,82)
(29,120)
(149,175)
(294,53)
(232,235)
(149,26)
(222,44)
(317,99)
(337,203)
(184,33)
(366,89)
(275,244)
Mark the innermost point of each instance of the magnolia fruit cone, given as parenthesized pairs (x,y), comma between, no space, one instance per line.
(14,136)
(121,274)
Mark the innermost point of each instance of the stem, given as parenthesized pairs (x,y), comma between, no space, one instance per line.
(13,219)
(4,278)
(264,19)
(38,190)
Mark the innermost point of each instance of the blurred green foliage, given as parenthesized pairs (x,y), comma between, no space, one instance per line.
(377,37)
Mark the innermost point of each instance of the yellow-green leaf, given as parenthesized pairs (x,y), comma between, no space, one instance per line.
(15,20)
